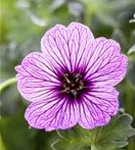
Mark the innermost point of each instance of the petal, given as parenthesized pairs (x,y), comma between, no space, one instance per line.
(79,37)
(97,107)
(52,114)
(66,45)
(106,98)
(36,77)
(91,116)
(54,44)
(104,63)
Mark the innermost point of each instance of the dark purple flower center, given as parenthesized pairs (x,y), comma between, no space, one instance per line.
(72,84)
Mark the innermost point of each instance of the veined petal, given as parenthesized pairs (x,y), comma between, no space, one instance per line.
(97,107)
(79,36)
(104,63)
(52,114)
(105,97)
(36,77)
(66,45)
(91,116)
(54,44)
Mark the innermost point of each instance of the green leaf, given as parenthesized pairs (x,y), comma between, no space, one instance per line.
(113,136)
(132,49)
(131,68)
(2,145)
(13,132)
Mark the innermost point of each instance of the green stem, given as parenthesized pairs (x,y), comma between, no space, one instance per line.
(88,12)
(7,83)
(93,147)
(87,16)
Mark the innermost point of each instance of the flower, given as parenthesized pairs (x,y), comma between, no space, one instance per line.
(72,80)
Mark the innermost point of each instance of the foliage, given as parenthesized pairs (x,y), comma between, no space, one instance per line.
(112,137)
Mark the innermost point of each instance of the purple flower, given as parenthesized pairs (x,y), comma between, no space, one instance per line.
(72,80)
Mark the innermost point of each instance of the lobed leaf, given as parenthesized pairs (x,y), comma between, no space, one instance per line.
(114,136)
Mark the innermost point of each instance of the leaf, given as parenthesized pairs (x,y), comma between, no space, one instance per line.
(13,132)
(2,145)
(131,68)
(131,50)
(110,137)
(9,97)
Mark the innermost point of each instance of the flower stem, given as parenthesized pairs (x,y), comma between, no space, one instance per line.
(7,83)
(87,15)
(93,147)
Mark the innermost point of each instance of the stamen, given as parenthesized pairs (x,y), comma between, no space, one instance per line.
(72,84)
(66,77)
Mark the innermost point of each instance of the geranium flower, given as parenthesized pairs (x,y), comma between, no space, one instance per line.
(72,80)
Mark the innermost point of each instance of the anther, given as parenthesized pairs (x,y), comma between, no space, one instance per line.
(72,84)
(66,77)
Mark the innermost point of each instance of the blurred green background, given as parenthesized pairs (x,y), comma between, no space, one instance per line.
(23,23)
